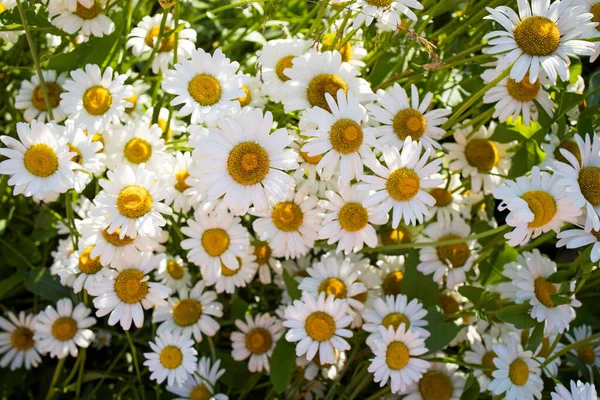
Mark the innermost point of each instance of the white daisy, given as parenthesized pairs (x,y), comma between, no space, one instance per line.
(353,51)
(589,355)
(140,100)
(173,273)
(202,383)
(591,7)
(449,202)
(61,261)
(31,97)
(176,127)
(552,149)
(253,92)
(227,279)
(173,358)
(102,339)
(62,330)
(482,353)
(387,13)
(441,381)
(579,237)
(543,351)
(391,270)
(82,267)
(88,154)
(579,391)
(85,20)
(266,262)
(256,340)
(178,193)
(17,341)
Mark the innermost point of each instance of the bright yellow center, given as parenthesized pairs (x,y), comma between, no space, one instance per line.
(64,328)
(114,239)
(353,217)
(456,254)
(87,265)
(595,10)
(322,84)
(287,216)
(481,154)
(175,270)
(133,100)
(442,196)
(88,13)
(571,147)
(397,355)
(215,241)
(311,159)
(187,312)
(543,290)
(409,122)
(37,97)
(518,372)
(247,98)
(435,385)
(589,184)
(171,357)
(320,326)
(134,202)
(345,50)
(258,341)
(488,360)
(166,43)
(283,64)
(22,339)
(129,286)
(77,157)
(201,392)
(180,177)
(587,355)
(138,151)
(41,160)
(346,136)
(2,8)
(537,36)
(403,184)
(333,286)
(448,304)
(97,100)
(523,91)
(394,320)
(395,236)
(248,163)
(392,283)
(542,205)
(205,89)
(262,253)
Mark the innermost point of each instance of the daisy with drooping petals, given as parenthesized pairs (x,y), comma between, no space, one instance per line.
(266,262)
(201,384)
(441,381)
(88,154)
(387,13)
(39,163)
(536,205)
(256,340)
(173,273)
(17,343)
(144,36)
(124,293)
(227,279)
(192,313)
(588,354)
(401,117)
(173,358)
(482,353)
(31,97)
(579,237)
(83,268)
(539,38)
(62,330)
(93,99)
(88,20)
(399,185)
(319,326)
(131,202)
(579,391)
(206,85)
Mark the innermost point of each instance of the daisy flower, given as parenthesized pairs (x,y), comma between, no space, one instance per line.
(391,271)
(517,373)
(328,371)
(401,234)
(227,279)
(61,259)
(352,51)
(441,381)
(291,227)
(482,353)
(31,97)
(93,99)
(126,291)
(313,75)
(88,154)
(173,358)
(539,38)
(543,351)
(84,20)
(102,339)
(140,100)
(175,128)
(17,342)
(387,13)
(244,162)
(579,237)
(253,92)
(201,384)
(256,340)
(39,163)
(591,7)
(579,391)
(319,326)
(396,358)
(83,268)
(144,36)
(206,85)
(479,159)
(10,36)
(62,330)
(192,313)
(400,117)
(589,355)
(552,147)
(536,205)
(449,202)
(266,262)
(173,273)
(399,185)
(131,202)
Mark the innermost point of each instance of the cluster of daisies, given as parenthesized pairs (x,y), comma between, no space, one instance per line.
(177,209)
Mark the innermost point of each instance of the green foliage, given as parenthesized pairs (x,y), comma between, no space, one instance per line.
(518,315)
(283,363)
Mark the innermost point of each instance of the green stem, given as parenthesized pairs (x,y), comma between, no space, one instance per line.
(572,346)
(159,37)
(71,219)
(55,377)
(380,393)
(134,356)
(81,369)
(108,371)
(213,351)
(127,29)
(224,8)
(319,17)
(538,241)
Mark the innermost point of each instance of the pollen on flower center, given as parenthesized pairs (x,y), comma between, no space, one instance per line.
(171,357)
(392,283)
(409,122)
(134,201)
(187,312)
(333,286)
(595,11)
(22,339)
(353,217)
(77,157)
(37,97)
(488,360)
(41,160)
(537,36)
(230,272)
(64,328)
(518,372)
(322,84)
(247,98)
(283,64)
(320,326)
(395,236)
(88,265)
(175,270)
(248,163)
(258,340)
(129,286)
(482,154)
(543,290)
(571,147)
(201,392)
(97,100)
(542,205)
(380,3)
(137,151)
(456,254)
(589,184)
(435,385)
(523,91)
(397,355)
(262,252)
(442,196)
(287,216)
(205,89)
(586,354)
(215,241)
(346,136)
(395,319)
(166,43)
(88,13)
(114,238)
(403,184)
(180,177)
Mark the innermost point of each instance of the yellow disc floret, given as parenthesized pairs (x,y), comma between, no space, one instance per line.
(397,355)
(41,160)
(482,154)
(333,286)
(64,328)
(322,84)
(346,136)
(320,326)
(409,122)
(134,201)
(171,357)
(258,340)
(205,89)
(130,287)
(518,372)
(403,184)
(542,205)
(435,385)
(97,100)
(215,241)
(353,217)
(137,151)
(248,163)
(187,312)
(287,216)
(537,36)
(37,96)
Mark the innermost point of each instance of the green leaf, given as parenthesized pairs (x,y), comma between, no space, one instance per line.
(481,298)
(587,120)
(237,372)
(528,155)
(561,276)
(471,390)
(95,51)
(559,300)
(575,70)
(518,315)
(239,307)
(415,285)
(442,332)
(46,286)
(292,286)
(580,365)
(283,363)
(6,285)
(535,338)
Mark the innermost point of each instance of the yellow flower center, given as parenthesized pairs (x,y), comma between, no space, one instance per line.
(37,97)
(114,239)
(133,100)
(589,184)
(287,216)
(2,8)
(442,196)
(320,326)
(392,283)
(457,254)
(64,328)
(537,36)
(488,360)
(205,89)
(88,13)
(171,357)
(187,312)
(394,320)
(435,385)
(215,241)
(175,270)
(77,157)
(137,151)
(97,137)
(542,205)
(595,10)
(322,84)
(482,154)
(409,122)
(230,272)
(346,136)
(162,124)
(22,339)
(345,51)
(403,184)
(397,355)
(248,163)
(353,217)
(180,177)
(41,160)
(247,98)
(134,202)
(258,341)
(262,253)
(87,265)
(311,159)
(166,43)
(395,236)
(448,304)
(201,392)
(97,100)
(518,372)
(129,286)
(283,64)
(543,290)
(571,147)
(587,355)
(523,91)
(333,286)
